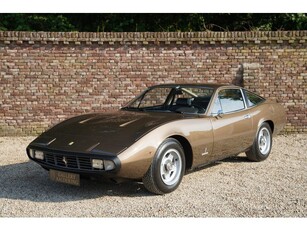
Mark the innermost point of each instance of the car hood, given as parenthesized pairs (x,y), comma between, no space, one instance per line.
(106,133)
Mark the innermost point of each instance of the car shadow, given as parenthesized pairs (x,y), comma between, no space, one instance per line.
(28,181)
(234,159)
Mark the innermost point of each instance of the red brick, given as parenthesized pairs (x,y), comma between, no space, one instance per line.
(45,82)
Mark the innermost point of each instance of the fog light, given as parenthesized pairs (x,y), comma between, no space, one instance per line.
(109,165)
(97,164)
(39,155)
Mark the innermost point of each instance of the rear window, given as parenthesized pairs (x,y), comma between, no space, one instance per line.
(252,99)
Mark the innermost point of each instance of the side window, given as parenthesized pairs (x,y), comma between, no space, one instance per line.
(182,94)
(217,108)
(252,99)
(229,100)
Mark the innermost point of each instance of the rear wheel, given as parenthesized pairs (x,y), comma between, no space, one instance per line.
(167,169)
(262,145)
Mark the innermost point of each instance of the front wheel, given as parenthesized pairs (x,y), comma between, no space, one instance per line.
(167,169)
(262,145)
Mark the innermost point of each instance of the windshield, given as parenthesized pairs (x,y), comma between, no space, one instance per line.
(173,99)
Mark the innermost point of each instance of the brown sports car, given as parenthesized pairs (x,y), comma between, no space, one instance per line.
(163,132)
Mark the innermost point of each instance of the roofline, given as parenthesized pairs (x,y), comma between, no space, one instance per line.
(205,85)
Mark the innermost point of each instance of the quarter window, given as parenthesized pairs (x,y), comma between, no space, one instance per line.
(252,99)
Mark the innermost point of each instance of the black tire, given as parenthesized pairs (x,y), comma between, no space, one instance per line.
(261,148)
(167,168)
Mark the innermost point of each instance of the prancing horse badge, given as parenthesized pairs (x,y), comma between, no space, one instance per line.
(205,153)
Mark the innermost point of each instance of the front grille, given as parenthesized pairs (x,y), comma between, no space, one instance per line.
(68,161)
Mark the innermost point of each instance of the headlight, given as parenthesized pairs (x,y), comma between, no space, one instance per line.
(103,164)
(39,155)
(97,163)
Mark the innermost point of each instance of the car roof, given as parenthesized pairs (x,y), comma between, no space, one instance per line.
(208,85)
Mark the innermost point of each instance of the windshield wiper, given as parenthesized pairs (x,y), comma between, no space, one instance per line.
(175,111)
(128,108)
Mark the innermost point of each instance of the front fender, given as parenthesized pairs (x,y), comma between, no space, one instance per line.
(136,159)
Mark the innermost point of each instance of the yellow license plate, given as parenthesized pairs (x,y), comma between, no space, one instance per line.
(64,177)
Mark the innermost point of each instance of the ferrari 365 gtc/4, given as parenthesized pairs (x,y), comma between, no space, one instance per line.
(163,132)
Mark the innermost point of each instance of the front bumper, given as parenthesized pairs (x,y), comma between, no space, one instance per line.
(74,162)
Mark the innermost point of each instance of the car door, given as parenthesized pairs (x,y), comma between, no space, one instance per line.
(231,122)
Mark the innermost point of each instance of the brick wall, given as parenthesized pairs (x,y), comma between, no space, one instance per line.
(46,77)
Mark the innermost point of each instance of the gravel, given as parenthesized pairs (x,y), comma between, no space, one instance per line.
(233,187)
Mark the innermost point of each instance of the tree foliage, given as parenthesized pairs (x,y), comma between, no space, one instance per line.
(153,22)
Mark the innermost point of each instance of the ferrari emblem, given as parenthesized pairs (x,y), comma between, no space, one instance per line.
(205,153)
(65,161)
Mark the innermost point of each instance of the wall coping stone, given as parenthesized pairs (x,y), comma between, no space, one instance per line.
(144,37)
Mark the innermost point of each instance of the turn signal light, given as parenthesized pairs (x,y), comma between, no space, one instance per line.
(109,165)
(36,154)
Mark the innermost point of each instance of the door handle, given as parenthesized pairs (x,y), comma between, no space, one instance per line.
(247,116)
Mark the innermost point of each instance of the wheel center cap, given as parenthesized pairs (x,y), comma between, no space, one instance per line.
(169,166)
